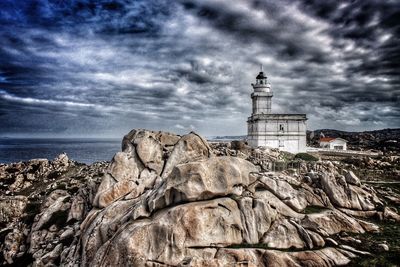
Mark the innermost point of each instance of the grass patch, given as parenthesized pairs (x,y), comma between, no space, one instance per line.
(390,232)
(393,186)
(305,157)
(383,259)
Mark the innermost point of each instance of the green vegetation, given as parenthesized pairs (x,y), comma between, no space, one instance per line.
(390,232)
(286,156)
(395,187)
(305,156)
(383,259)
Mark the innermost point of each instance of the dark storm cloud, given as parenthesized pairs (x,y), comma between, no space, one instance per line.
(117,16)
(262,21)
(370,25)
(83,67)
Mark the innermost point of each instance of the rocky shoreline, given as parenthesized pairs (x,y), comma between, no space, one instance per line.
(169,200)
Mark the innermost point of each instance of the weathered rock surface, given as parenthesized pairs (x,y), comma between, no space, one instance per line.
(40,217)
(202,180)
(347,195)
(189,148)
(169,200)
(11,207)
(351,178)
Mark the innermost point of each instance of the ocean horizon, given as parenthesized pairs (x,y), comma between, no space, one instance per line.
(84,150)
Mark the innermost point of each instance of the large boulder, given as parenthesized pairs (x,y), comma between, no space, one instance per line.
(203,180)
(100,225)
(122,178)
(283,235)
(351,178)
(331,222)
(142,160)
(55,210)
(346,195)
(257,216)
(190,147)
(169,235)
(298,199)
(150,147)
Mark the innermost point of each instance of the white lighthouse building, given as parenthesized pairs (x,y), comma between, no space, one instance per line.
(284,131)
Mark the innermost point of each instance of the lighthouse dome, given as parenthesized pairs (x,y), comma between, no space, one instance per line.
(261,75)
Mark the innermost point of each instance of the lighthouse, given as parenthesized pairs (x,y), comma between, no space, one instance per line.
(287,132)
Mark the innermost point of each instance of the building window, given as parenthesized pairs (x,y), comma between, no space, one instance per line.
(281,128)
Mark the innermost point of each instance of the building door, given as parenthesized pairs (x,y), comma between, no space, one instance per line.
(281,143)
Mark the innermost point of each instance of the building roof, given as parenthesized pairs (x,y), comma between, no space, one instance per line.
(261,75)
(330,139)
(326,139)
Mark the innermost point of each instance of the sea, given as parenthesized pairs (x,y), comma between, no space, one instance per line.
(84,150)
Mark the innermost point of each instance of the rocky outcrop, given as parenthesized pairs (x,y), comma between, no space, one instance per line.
(201,205)
(168,200)
(143,159)
(40,217)
(347,195)
(12,207)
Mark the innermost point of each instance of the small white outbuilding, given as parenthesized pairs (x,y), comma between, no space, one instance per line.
(333,143)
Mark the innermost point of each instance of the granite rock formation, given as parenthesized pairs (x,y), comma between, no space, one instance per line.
(168,200)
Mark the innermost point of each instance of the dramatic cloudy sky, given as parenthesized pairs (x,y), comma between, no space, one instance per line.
(101,68)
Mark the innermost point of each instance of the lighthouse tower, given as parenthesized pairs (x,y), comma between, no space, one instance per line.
(266,129)
(262,95)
